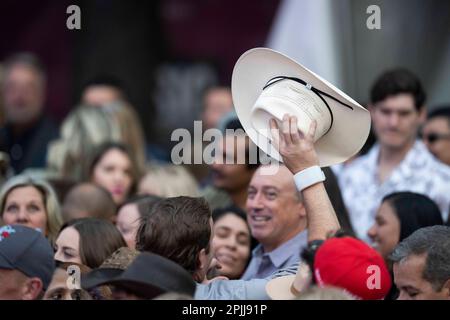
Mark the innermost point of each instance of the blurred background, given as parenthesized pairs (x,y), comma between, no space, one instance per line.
(166,52)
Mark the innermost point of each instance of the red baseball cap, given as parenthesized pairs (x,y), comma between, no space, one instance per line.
(351,264)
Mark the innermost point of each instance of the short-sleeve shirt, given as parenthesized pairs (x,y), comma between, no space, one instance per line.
(418,172)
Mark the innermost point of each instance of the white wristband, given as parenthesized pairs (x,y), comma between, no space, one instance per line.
(308,177)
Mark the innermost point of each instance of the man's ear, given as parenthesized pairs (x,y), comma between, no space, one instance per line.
(202,259)
(202,266)
(301,210)
(33,287)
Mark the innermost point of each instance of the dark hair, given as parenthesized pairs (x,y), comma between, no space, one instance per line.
(102,149)
(28,59)
(218,213)
(106,80)
(177,229)
(433,241)
(236,125)
(442,111)
(334,193)
(414,211)
(98,239)
(395,82)
(144,203)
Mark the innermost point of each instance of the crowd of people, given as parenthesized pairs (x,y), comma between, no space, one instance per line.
(90,211)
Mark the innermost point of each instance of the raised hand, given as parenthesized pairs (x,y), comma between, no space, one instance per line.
(295,147)
(298,153)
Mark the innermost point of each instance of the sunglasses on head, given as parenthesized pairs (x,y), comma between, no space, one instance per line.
(433,137)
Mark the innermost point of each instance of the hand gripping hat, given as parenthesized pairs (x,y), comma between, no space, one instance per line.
(267,84)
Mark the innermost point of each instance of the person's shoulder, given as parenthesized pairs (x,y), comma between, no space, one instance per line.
(431,172)
(285,271)
(357,169)
(441,170)
(232,290)
(428,163)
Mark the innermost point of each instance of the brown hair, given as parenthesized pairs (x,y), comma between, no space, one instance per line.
(104,148)
(177,229)
(131,135)
(98,240)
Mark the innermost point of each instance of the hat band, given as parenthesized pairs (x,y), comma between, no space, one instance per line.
(309,86)
(313,89)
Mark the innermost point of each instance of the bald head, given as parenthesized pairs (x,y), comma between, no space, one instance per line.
(279,175)
(88,200)
(275,212)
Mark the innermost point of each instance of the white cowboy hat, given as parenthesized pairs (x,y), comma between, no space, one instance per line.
(267,84)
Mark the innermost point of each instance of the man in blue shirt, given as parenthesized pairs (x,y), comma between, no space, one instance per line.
(191,247)
(277,219)
(298,154)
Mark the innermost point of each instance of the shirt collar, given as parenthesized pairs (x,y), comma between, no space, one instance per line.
(372,156)
(282,253)
(417,151)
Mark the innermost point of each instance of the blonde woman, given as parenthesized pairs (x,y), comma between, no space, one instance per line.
(168,181)
(30,202)
(82,132)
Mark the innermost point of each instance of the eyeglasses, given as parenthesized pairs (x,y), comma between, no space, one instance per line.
(433,137)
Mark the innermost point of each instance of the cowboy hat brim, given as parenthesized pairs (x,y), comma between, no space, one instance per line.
(99,277)
(257,66)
